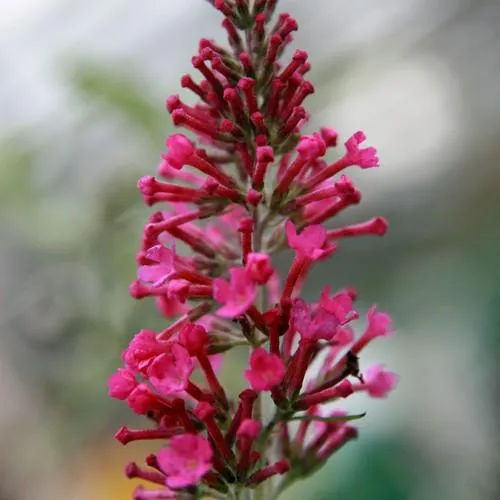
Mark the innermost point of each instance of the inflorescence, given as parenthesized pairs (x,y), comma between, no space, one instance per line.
(250,186)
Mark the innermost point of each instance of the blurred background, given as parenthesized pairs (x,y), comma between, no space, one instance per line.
(82,96)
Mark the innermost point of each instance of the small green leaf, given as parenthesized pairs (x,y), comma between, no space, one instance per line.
(334,418)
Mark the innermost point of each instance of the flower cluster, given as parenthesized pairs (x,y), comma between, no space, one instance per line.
(250,186)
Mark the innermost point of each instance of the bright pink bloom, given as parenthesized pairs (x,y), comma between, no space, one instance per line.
(146,185)
(344,336)
(346,188)
(311,147)
(121,383)
(142,400)
(180,150)
(194,338)
(379,324)
(330,136)
(341,305)
(313,323)
(266,370)
(187,459)
(363,157)
(259,267)
(169,373)
(163,266)
(310,243)
(141,351)
(379,382)
(237,295)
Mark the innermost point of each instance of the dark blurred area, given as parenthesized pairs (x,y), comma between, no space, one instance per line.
(82,99)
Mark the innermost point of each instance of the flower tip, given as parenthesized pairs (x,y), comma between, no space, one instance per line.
(266,370)
(131,470)
(186,460)
(249,428)
(345,388)
(265,154)
(123,435)
(329,135)
(180,148)
(246,83)
(379,382)
(146,184)
(310,148)
(380,226)
(137,290)
(254,197)
(300,56)
(172,103)
(121,384)
(193,337)
(363,157)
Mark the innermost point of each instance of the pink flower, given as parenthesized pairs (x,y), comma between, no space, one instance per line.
(344,336)
(266,370)
(330,136)
(146,185)
(186,460)
(379,324)
(158,273)
(311,147)
(379,382)
(340,305)
(313,323)
(142,400)
(363,157)
(258,267)
(141,351)
(346,189)
(180,150)
(237,295)
(194,338)
(310,242)
(121,384)
(169,373)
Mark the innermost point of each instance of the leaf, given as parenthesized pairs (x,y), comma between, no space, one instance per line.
(332,419)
